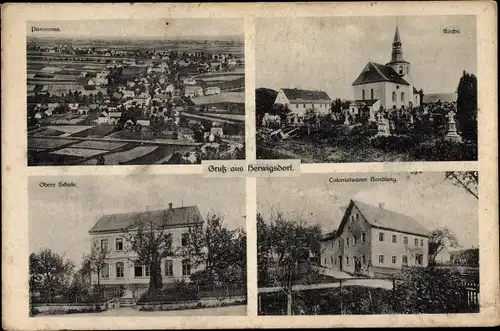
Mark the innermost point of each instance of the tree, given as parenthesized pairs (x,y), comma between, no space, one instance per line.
(95,262)
(287,243)
(220,251)
(264,101)
(151,242)
(49,273)
(440,239)
(467,106)
(468,180)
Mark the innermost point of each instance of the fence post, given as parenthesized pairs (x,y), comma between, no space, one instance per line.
(341,299)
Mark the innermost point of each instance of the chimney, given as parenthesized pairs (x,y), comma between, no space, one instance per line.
(381,205)
(169,205)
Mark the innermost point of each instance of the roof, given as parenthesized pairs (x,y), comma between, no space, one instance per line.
(415,90)
(386,219)
(444,97)
(305,95)
(328,236)
(376,72)
(367,102)
(397,39)
(193,88)
(173,217)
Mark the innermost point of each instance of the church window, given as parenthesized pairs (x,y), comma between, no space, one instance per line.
(363,94)
(371,94)
(402,97)
(401,72)
(394,96)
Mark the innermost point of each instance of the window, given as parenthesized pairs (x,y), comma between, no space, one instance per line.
(119,270)
(405,240)
(186,267)
(169,268)
(357,217)
(119,244)
(363,94)
(325,260)
(371,94)
(394,238)
(402,97)
(332,244)
(184,239)
(393,96)
(419,259)
(339,243)
(363,237)
(352,218)
(421,242)
(393,259)
(104,244)
(347,260)
(363,259)
(416,242)
(331,259)
(405,260)
(381,259)
(381,236)
(354,240)
(137,270)
(347,242)
(141,270)
(105,271)
(401,70)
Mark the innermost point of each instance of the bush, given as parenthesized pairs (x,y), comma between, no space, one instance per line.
(429,290)
(398,144)
(177,291)
(443,150)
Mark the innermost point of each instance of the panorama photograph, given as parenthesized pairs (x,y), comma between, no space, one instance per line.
(111,92)
(366,89)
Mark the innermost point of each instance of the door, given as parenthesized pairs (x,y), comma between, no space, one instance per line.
(341,262)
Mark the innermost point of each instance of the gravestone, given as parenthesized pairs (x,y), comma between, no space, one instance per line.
(451,132)
(383,128)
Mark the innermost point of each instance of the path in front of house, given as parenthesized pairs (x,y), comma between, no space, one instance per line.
(367,282)
(334,273)
(216,311)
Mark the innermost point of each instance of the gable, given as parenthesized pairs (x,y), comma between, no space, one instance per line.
(375,72)
(353,220)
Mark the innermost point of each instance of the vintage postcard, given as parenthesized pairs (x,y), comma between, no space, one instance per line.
(109,92)
(366,89)
(249,165)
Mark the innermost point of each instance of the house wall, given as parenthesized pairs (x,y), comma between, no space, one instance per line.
(387,248)
(378,91)
(281,98)
(355,226)
(128,258)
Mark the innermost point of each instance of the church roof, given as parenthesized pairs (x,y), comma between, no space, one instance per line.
(297,94)
(376,72)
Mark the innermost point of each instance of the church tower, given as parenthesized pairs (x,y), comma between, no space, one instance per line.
(397,62)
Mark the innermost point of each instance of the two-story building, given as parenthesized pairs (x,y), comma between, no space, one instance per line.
(299,101)
(122,265)
(383,241)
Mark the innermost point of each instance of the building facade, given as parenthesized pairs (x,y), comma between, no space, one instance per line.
(390,84)
(382,241)
(122,265)
(299,101)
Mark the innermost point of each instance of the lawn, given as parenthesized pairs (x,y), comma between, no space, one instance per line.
(97,131)
(232,97)
(125,156)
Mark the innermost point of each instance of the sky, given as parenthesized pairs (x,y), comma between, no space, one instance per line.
(60,218)
(433,201)
(328,53)
(176,28)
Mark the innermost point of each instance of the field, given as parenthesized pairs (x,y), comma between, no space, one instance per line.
(40,144)
(230,97)
(98,131)
(99,145)
(126,156)
(78,152)
(235,117)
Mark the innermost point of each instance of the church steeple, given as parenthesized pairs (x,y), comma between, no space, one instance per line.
(397,48)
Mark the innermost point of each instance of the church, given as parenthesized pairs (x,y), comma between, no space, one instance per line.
(389,86)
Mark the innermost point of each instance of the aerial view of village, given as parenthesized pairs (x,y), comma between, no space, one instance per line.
(400,89)
(137,245)
(135,92)
(386,243)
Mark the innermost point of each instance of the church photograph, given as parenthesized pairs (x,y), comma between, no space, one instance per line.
(367,89)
